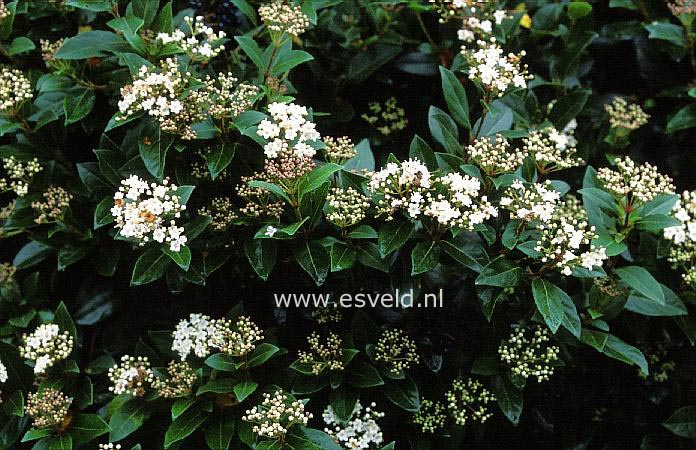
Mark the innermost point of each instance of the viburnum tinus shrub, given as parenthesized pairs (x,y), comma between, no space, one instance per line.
(346,224)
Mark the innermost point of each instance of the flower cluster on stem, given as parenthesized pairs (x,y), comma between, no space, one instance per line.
(396,350)
(274,417)
(528,354)
(360,431)
(46,346)
(467,400)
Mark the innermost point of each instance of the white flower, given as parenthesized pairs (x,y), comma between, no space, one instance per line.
(271,231)
(360,431)
(194,336)
(3,373)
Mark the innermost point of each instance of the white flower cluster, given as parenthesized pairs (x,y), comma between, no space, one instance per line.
(47,407)
(199,334)
(536,203)
(15,89)
(132,376)
(19,174)
(147,212)
(467,399)
(3,373)
(682,250)
(110,446)
(563,245)
(165,94)
(624,115)
(636,182)
(494,155)
(360,431)
(276,415)
(281,17)
(201,42)
(552,149)
(453,200)
(495,71)
(529,356)
(46,346)
(479,24)
(288,131)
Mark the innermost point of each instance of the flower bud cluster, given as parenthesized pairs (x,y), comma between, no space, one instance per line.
(552,150)
(48,407)
(431,417)
(7,273)
(19,174)
(280,17)
(387,118)
(4,10)
(495,155)
(179,381)
(46,346)
(467,400)
(148,211)
(258,200)
(338,150)
(495,71)
(274,417)
(396,350)
(110,446)
(200,41)
(323,353)
(49,49)
(55,200)
(327,314)
(679,7)
(346,207)
(15,89)
(624,115)
(638,182)
(229,99)
(570,206)
(132,376)
(529,356)
(199,334)
(222,212)
(360,431)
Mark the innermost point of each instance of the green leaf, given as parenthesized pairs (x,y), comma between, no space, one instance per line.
(13,404)
(667,31)
(220,158)
(252,50)
(244,389)
(444,130)
(455,96)
(509,398)
(153,147)
(577,10)
(568,107)
(549,302)
(656,222)
(682,422)
(261,354)
(261,253)
(102,213)
(368,255)
(184,426)
(86,427)
(128,418)
(303,438)
(363,160)
(673,306)
(32,253)
(342,257)
(219,430)
(642,282)
(91,5)
(682,119)
(19,45)
(290,60)
(363,232)
(318,176)
(221,361)
(365,63)
(217,386)
(149,267)
(182,258)
(618,349)
(363,375)
(274,188)
(420,150)
(500,272)
(61,317)
(467,252)
(314,259)
(403,393)
(77,107)
(424,257)
(90,44)
(393,235)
